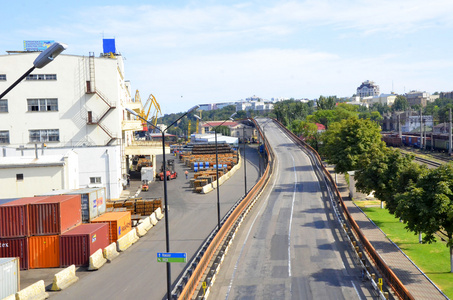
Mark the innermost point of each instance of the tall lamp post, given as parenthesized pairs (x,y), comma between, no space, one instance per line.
(217,166)
(245,163)
(167,238)
(42,60)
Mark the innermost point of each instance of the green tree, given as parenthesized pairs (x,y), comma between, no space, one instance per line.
(388,173)
(400,104)
(327,103)
(428,206)
(351,143)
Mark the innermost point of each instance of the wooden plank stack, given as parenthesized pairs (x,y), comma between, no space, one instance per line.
(137,206)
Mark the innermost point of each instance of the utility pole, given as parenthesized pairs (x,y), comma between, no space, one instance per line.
(421,130)
(449,134)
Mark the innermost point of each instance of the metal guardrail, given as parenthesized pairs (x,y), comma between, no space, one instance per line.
(191,279)
(392,280)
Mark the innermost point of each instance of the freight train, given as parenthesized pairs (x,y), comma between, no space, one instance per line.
(441,141)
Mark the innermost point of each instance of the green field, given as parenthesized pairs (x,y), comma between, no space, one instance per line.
(432,259)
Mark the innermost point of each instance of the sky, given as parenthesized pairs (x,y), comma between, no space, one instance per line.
(195,52)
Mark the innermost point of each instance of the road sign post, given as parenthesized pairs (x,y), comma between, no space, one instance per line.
(172,257)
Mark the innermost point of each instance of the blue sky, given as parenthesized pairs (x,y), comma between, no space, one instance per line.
(191,52)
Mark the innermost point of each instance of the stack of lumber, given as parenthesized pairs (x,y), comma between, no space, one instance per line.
(137,206)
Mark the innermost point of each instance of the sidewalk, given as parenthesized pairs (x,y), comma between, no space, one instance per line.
(412,278)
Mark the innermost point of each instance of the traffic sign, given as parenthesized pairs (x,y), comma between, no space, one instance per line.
(171,257)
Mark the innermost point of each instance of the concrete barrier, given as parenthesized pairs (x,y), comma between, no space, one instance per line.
(141,230)
(36,291)
(97,260)
(10,297)
(147,223)
(213,185)
(159,214)
(64,278)
(126,241)
(110,252)
(153,218)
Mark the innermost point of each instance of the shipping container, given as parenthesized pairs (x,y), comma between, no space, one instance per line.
(16,247)
(9,276)
(119,223)
(14,217)
(44,251)
(55,214)
(92,201)
(78,244)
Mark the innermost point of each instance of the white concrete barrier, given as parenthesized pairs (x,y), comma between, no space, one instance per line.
(159,214)
(10,297)
(97,260)
(64,278)
(153,218)
(126,241)
(110,252)
(33,292)
(141,230)
(147,223)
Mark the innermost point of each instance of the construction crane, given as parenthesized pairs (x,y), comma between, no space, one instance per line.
(151,105)
(188,133)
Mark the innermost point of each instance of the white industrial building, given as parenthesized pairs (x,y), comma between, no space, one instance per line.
(76,105)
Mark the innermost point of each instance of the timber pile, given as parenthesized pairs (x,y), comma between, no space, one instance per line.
(137,206)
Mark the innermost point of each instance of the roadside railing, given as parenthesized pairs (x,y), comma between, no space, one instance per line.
(191,279)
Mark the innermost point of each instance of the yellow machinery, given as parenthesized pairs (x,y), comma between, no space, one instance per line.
(151,105)
(188,133)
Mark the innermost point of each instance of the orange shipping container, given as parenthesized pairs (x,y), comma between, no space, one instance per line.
(44,251)
(119,223)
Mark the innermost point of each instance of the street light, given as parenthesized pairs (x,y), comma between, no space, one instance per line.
(42,60)
(217,165)
(245,162)
(167,238)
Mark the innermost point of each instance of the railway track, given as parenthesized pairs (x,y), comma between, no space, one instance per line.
(428,162)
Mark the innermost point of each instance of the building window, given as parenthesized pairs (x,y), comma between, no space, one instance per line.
(3,77)
(42,77)
(3,105)
(19,177)
(44,135)
(4,137)
(42,104)
(95,180)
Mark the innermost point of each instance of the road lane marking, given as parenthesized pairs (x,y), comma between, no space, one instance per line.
(291,216)
(248,233)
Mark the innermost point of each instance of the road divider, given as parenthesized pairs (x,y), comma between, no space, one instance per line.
(110,252)
(97,260)
(143,227)
(153,219)
(159,214)
(64,278)
(213,185)
(34,291)
(126,241)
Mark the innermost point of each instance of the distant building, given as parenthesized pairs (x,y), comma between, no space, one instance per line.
(417,98)
(384,99)
(368,88)
(446,95)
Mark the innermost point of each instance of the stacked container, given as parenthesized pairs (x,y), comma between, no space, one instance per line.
(78,244)
(44,251)
(119,223)
(9,276)
(55,215)
(92,201)
(15,229)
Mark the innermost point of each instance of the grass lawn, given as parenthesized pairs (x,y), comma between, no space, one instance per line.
(432,259)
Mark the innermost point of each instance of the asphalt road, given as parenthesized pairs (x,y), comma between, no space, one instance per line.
(136,274)
(289,246)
